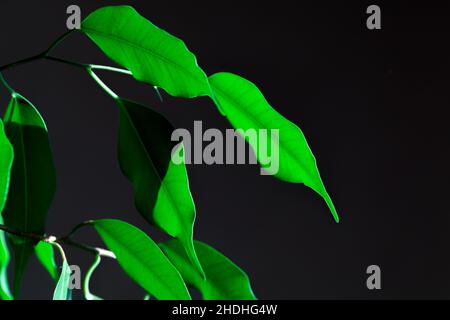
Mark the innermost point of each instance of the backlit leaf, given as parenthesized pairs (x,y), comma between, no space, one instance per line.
(161,187)
(33,178)
(46,256)
(151,54)
(224,280)
(246,108)
(142,260)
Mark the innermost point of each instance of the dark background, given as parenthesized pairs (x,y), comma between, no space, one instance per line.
(373,105)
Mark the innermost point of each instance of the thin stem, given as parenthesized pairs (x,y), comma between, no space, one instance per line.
(108,68)
(57,42)
(60,249)
(102,84)
(28,235)
(23,61)
(78,227)
(6,84)
(89,67)
(90,249)
(87,293)
(67,240)
(68,62)
(38,56)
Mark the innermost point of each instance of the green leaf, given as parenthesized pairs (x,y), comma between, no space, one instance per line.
(62,291)
(224,280)
(151,54)
(142,260)
(161,187)
(246,108)
(6,160)
(87,293)
(46,256)
(33,178)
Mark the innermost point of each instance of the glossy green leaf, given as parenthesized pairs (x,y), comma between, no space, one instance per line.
(224,280)
(46,256)
(246,108)
(62,291)
(161,187)
(6,160)
(151,54)
(142,260)
(87,293)
(33,178)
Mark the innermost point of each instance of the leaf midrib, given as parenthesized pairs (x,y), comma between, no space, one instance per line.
(260,124)
(149,51)
(137,258)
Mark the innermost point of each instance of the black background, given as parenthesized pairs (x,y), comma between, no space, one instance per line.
(373,105)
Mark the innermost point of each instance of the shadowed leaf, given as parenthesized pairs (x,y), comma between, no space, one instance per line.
(33,178)
(161,187)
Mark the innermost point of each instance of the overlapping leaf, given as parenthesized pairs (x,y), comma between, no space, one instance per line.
(142,260)
(224,280)
(161,187)
(33,178)
(246,108)
(151,54)
(6,160)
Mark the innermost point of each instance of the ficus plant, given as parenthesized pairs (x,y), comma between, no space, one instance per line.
(161,187)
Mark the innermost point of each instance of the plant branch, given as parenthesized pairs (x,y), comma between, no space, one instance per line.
(22,61)
(89,67)
(67,240)
(38,56)
(6,84)
(57,42)
(68,62)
